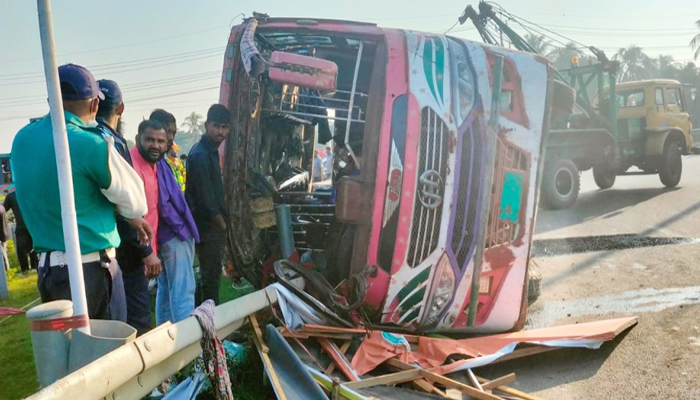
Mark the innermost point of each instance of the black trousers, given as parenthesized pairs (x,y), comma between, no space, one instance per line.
(209,253)
(24,247)
(138,301)
(54,284)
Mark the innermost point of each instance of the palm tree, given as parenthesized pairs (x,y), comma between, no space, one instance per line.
(539,43)
(193,123)
(561,57)
(632,63)
(695,43)
(667,67)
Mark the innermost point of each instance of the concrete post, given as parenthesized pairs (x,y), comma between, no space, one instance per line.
(51,344)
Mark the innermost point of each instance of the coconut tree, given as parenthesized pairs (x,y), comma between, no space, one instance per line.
(192,123)
(633,63)
(695,43)
(538,42)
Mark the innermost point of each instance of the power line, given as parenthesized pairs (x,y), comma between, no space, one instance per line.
(125,45)
(120,70)
(452,27)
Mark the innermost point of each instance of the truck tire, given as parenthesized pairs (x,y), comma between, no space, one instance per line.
(563,98)
(561,184)
(671,165)
(604,176)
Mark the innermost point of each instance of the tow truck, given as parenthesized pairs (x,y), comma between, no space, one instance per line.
(646,126)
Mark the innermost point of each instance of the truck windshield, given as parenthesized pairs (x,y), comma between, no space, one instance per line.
(632,98)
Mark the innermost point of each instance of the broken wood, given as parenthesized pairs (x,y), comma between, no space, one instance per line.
(339,359)
(513,392)
(343,349)
(263,350)
(451,383)
(258,333)
(422,384)
(494,383)
(389,379)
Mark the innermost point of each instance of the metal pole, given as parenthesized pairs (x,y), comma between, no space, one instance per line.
(352,103)
(63,163)
(485,200)
(285,231)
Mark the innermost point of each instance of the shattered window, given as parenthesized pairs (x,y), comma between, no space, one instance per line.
(463,82)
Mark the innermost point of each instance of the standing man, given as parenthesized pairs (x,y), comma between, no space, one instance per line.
(151,143)
(328,164)
(127,295)
(205,195)
(102,180)
(177,234)
(176,165)
(24,246)
(318,167)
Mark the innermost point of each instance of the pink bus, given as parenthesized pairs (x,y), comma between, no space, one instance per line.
(433,193)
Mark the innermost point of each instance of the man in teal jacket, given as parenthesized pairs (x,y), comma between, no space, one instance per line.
(102,182)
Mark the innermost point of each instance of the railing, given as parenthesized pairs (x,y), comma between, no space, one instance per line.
(134,369)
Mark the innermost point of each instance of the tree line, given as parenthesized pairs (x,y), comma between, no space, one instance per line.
(634,63)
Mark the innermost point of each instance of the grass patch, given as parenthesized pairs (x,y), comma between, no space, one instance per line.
(18,377)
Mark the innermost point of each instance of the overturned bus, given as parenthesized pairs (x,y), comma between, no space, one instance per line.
(433,194)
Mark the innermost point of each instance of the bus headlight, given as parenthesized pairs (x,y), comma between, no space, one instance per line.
(442,290)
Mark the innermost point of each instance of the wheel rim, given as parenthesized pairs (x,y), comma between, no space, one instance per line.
(563,183)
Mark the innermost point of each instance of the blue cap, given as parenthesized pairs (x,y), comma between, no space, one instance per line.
(77,83)
(111,91)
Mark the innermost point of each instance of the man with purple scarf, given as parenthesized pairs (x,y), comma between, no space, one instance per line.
(177,234)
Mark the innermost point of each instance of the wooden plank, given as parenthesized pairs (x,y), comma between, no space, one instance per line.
(389,379)
(343,349)
(473,392)
(513,392)
(340,361)
(258,332)
(421,384)
(494,383)
(263,350)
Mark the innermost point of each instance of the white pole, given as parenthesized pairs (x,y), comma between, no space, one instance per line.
(63,163)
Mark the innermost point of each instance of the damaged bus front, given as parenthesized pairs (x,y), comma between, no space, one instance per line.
(401,228)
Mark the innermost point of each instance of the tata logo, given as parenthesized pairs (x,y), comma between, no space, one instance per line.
(430,189)
(395,185)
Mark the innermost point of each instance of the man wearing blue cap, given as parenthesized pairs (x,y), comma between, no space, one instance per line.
(134,258)
(102,180)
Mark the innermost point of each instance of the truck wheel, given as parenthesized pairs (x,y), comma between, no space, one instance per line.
(561,184)
(671,165)
(604,177)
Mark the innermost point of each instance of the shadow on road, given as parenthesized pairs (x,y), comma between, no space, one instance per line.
(595,204)
(568,273)
(559,367)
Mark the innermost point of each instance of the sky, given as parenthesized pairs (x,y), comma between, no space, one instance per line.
(169,54)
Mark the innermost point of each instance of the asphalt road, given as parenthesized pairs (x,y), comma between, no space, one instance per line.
(620,272)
